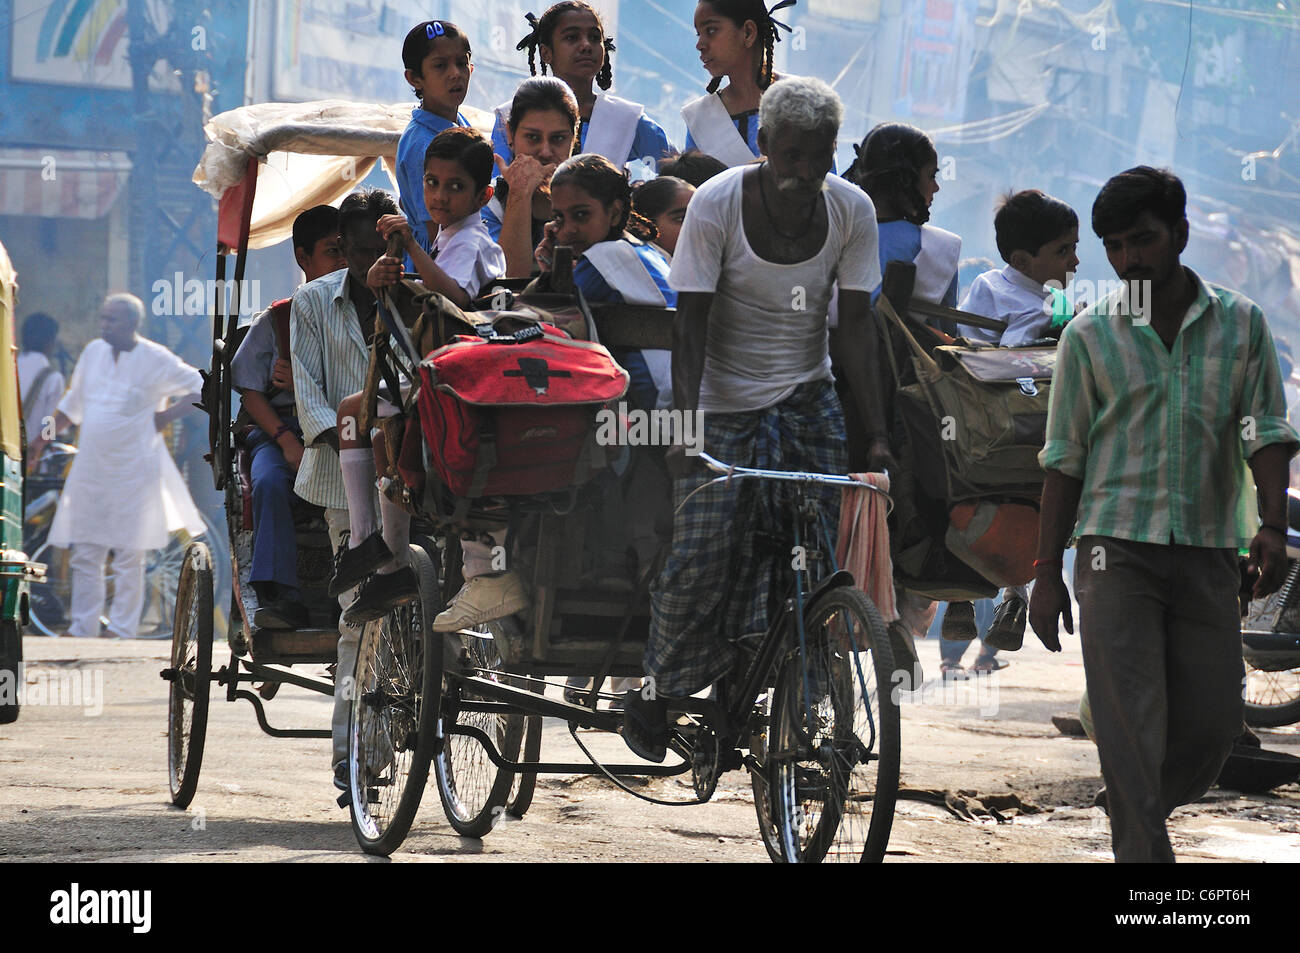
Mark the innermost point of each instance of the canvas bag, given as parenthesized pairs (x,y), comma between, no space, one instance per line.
(514,414)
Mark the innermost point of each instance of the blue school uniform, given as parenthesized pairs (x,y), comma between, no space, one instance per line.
(901,241)
(650,141)
(706,115)
(422,129)
(619,283)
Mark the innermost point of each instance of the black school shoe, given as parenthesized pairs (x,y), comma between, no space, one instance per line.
(1007,633)
(351,566)
(281,614)
(959,622)
(380,594)
(645,726)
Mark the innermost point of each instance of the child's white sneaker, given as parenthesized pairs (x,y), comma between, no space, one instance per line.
(482,599)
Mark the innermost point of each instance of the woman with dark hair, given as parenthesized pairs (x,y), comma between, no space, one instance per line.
(542,127)
(897,166)
(570,40)
(735,39)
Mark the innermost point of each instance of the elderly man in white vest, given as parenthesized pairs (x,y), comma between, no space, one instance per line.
(123,493)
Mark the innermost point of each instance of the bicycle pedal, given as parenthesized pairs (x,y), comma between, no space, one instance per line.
(344,799)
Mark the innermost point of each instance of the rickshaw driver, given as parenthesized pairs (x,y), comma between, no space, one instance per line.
(759,252)
(328,326)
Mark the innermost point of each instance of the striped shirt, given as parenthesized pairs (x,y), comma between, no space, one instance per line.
(330,357)
(1160,438)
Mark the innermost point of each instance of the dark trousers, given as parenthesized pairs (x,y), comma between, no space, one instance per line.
(275,547)
(1161,635)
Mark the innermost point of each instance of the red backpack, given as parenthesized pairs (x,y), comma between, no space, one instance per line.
(515,414)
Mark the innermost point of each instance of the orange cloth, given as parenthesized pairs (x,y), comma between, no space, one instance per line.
(863,546)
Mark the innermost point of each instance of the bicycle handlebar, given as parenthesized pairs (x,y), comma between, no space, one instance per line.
(730,473)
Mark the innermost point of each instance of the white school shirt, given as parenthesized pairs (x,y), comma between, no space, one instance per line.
(469,256)
(37,407)
(1011,296)
(761,345)
(124,489)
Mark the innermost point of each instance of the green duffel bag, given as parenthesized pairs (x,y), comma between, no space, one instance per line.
(991,408)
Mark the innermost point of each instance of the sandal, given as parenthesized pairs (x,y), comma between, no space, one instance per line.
(984,666)
(645,726)
(953,673)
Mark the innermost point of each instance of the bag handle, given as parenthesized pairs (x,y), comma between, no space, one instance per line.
(920,354)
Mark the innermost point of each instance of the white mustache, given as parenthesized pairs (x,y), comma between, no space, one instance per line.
(789,185)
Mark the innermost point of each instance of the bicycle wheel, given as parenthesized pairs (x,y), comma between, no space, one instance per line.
(49,601)
(161,571)
(834,742)
(392,731)
(475,791)
(190,674)
(760,777)
(1271,695)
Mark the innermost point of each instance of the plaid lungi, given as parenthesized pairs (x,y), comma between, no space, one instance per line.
(717,582)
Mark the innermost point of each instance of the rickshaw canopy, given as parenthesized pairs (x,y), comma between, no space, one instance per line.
(295,156)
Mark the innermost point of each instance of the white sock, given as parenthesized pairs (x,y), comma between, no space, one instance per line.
(476,559)
(358,465)
(397,534)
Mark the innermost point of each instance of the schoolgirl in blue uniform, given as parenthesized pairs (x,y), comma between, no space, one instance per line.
(436,55)
(571,41)
(542,128)
(736,39)
(591,202)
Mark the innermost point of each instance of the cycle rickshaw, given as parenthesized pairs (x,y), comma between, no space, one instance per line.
(811,714)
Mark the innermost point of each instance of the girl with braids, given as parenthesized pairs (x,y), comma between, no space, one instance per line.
(898,167)
(436,55)
(570,41)
(613,260)
(541,129)
(736,39)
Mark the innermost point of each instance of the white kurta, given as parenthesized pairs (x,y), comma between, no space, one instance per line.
(124,489)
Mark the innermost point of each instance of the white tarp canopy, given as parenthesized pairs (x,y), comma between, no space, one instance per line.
(310,154)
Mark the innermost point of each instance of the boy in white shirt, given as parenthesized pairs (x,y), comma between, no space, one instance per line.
(457,172)
(1038,237)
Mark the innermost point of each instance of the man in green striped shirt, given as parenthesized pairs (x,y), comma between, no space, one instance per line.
(1161,398)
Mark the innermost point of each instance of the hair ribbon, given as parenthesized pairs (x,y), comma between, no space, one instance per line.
(775,22)
(531,40)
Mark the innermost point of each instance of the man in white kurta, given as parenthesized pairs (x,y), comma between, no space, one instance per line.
(123,492)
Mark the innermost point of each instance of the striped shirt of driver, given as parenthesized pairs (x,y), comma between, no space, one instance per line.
(1160,437)
(330,356)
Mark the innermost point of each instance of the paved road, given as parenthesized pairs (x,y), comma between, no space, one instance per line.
(89,782)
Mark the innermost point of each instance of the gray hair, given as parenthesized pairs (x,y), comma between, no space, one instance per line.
(802,102)
(132,304)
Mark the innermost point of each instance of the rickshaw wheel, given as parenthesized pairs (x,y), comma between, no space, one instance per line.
(190,673)
(474,791)
(833,751)
(760,778)
(525,785)
(392,731)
